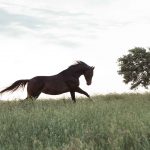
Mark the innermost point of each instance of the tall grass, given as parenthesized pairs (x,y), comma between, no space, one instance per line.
(111,122)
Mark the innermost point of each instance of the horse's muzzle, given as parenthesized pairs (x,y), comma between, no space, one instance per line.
(88,83)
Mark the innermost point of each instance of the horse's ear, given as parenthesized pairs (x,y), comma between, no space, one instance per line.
(93,67)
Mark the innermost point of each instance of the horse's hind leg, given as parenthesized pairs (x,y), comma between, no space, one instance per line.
(32,95)
(30,98)
(33,90)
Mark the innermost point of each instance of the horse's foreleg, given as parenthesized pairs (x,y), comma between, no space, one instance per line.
(79,90)
(73,96)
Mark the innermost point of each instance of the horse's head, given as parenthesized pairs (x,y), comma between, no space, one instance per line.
(88,74)
(81,68)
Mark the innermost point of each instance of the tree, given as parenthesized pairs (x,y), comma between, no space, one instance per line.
(135,67)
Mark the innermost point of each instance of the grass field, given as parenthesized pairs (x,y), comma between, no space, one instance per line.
(112,122)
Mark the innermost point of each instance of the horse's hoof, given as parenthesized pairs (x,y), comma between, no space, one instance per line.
(92,100)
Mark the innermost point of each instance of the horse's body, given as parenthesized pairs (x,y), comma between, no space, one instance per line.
(65,81)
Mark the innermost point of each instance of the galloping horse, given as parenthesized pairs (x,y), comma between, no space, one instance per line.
(65,81)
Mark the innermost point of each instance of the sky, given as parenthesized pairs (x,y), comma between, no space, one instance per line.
(44,37)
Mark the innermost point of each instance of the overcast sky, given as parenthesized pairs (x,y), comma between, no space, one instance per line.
(44,37)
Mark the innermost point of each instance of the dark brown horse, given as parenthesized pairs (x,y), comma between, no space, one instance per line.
(65,81)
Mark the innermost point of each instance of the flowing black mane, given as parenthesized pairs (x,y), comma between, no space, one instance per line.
(79,64)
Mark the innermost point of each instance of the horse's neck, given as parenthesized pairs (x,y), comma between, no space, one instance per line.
(78,72)
(75,73)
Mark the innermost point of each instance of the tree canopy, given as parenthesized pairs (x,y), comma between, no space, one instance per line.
(135,67)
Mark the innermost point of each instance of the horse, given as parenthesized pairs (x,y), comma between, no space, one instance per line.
(65,81)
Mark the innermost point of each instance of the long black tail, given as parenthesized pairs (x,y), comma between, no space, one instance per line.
(15,86)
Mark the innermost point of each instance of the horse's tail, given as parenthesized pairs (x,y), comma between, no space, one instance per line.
(15,86)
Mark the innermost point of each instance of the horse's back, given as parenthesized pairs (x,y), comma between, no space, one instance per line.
(55,85)
(49,84)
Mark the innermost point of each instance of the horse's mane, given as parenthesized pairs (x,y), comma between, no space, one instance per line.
(79,63)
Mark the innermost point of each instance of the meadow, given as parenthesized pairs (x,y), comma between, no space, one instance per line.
(111,122)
